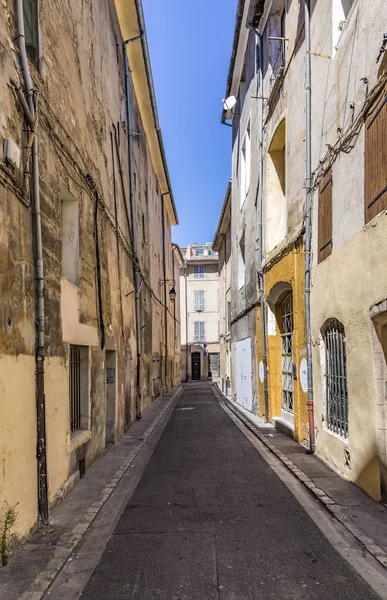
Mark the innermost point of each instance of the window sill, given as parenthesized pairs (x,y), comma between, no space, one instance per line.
(79,438)
(335,435)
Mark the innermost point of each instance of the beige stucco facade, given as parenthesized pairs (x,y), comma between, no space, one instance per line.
(89,288)
(222,245)
(199,312)
(350,285)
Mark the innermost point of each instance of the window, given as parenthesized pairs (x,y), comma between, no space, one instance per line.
(375,163)
(336,393)
(198,271)
(228,315)
(241,262)
(325,217)
(286,324)
(199,299)
(245,166)
(31,29)
(277,31)
(199,331)
(340,13)
(79,388)
(199,251)
(70,237)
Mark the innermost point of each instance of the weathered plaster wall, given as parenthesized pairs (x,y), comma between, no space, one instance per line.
(81,89)
(349,282)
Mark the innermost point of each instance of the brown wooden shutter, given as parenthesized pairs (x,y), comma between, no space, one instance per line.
(325,217)
(375,159)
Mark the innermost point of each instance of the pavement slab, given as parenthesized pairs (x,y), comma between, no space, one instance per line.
(210,518)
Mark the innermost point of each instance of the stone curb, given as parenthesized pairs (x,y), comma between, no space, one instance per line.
(336,510)
(68,542)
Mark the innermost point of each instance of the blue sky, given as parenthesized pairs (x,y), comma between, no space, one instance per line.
(190,47)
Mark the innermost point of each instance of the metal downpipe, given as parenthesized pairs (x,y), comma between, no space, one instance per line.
(308,223)
(260,229)
(137,284)
(39,273)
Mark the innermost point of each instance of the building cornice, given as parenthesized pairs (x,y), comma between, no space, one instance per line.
(224,219)
(131,21)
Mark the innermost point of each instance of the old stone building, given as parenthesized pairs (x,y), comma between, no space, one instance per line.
(267,104)
(89,333)
(349,162)
(199,313)
(222,245)
(267,215)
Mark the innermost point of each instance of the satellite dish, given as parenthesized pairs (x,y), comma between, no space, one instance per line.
(229,103)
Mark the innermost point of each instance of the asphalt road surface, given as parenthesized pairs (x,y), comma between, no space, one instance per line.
(211,520)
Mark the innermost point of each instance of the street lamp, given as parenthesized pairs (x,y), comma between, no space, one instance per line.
(172,294)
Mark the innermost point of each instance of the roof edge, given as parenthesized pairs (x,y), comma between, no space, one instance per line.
(226,204)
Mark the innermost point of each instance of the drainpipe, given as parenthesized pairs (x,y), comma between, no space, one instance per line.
(39,273)
(260,229)
(186,322)
(261,289)
(136,277)
(165,292)
(308,223)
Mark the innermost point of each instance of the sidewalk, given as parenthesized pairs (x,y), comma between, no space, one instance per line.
(364,517)
(37,562)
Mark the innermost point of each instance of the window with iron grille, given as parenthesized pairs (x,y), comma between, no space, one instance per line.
(198,271)
(286,310)
(78,388)
(31,29)
(325,216)
(375,163)
(199,299)
(336,392)
(199,331)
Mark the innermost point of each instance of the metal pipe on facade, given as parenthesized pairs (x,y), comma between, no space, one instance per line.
(133,224)
(165,293)
(260,228)
(39,272)
(308,223)
(261,289)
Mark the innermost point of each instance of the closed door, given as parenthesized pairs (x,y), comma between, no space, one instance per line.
(243,374)
(128,376)
(111,387)
(195,366)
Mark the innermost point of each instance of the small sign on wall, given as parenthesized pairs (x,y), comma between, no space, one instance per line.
(304,375)
(110,375)
(261,372)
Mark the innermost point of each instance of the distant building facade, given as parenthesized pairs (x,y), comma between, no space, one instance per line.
(222,245)
(199,313)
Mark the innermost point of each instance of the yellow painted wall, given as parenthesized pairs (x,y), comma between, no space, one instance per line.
(18,440)
(289,269)
(57,423)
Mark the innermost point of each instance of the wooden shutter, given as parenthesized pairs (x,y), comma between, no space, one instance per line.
(325,217)
(375,167)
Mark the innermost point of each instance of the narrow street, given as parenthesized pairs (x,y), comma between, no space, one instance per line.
(211,519)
